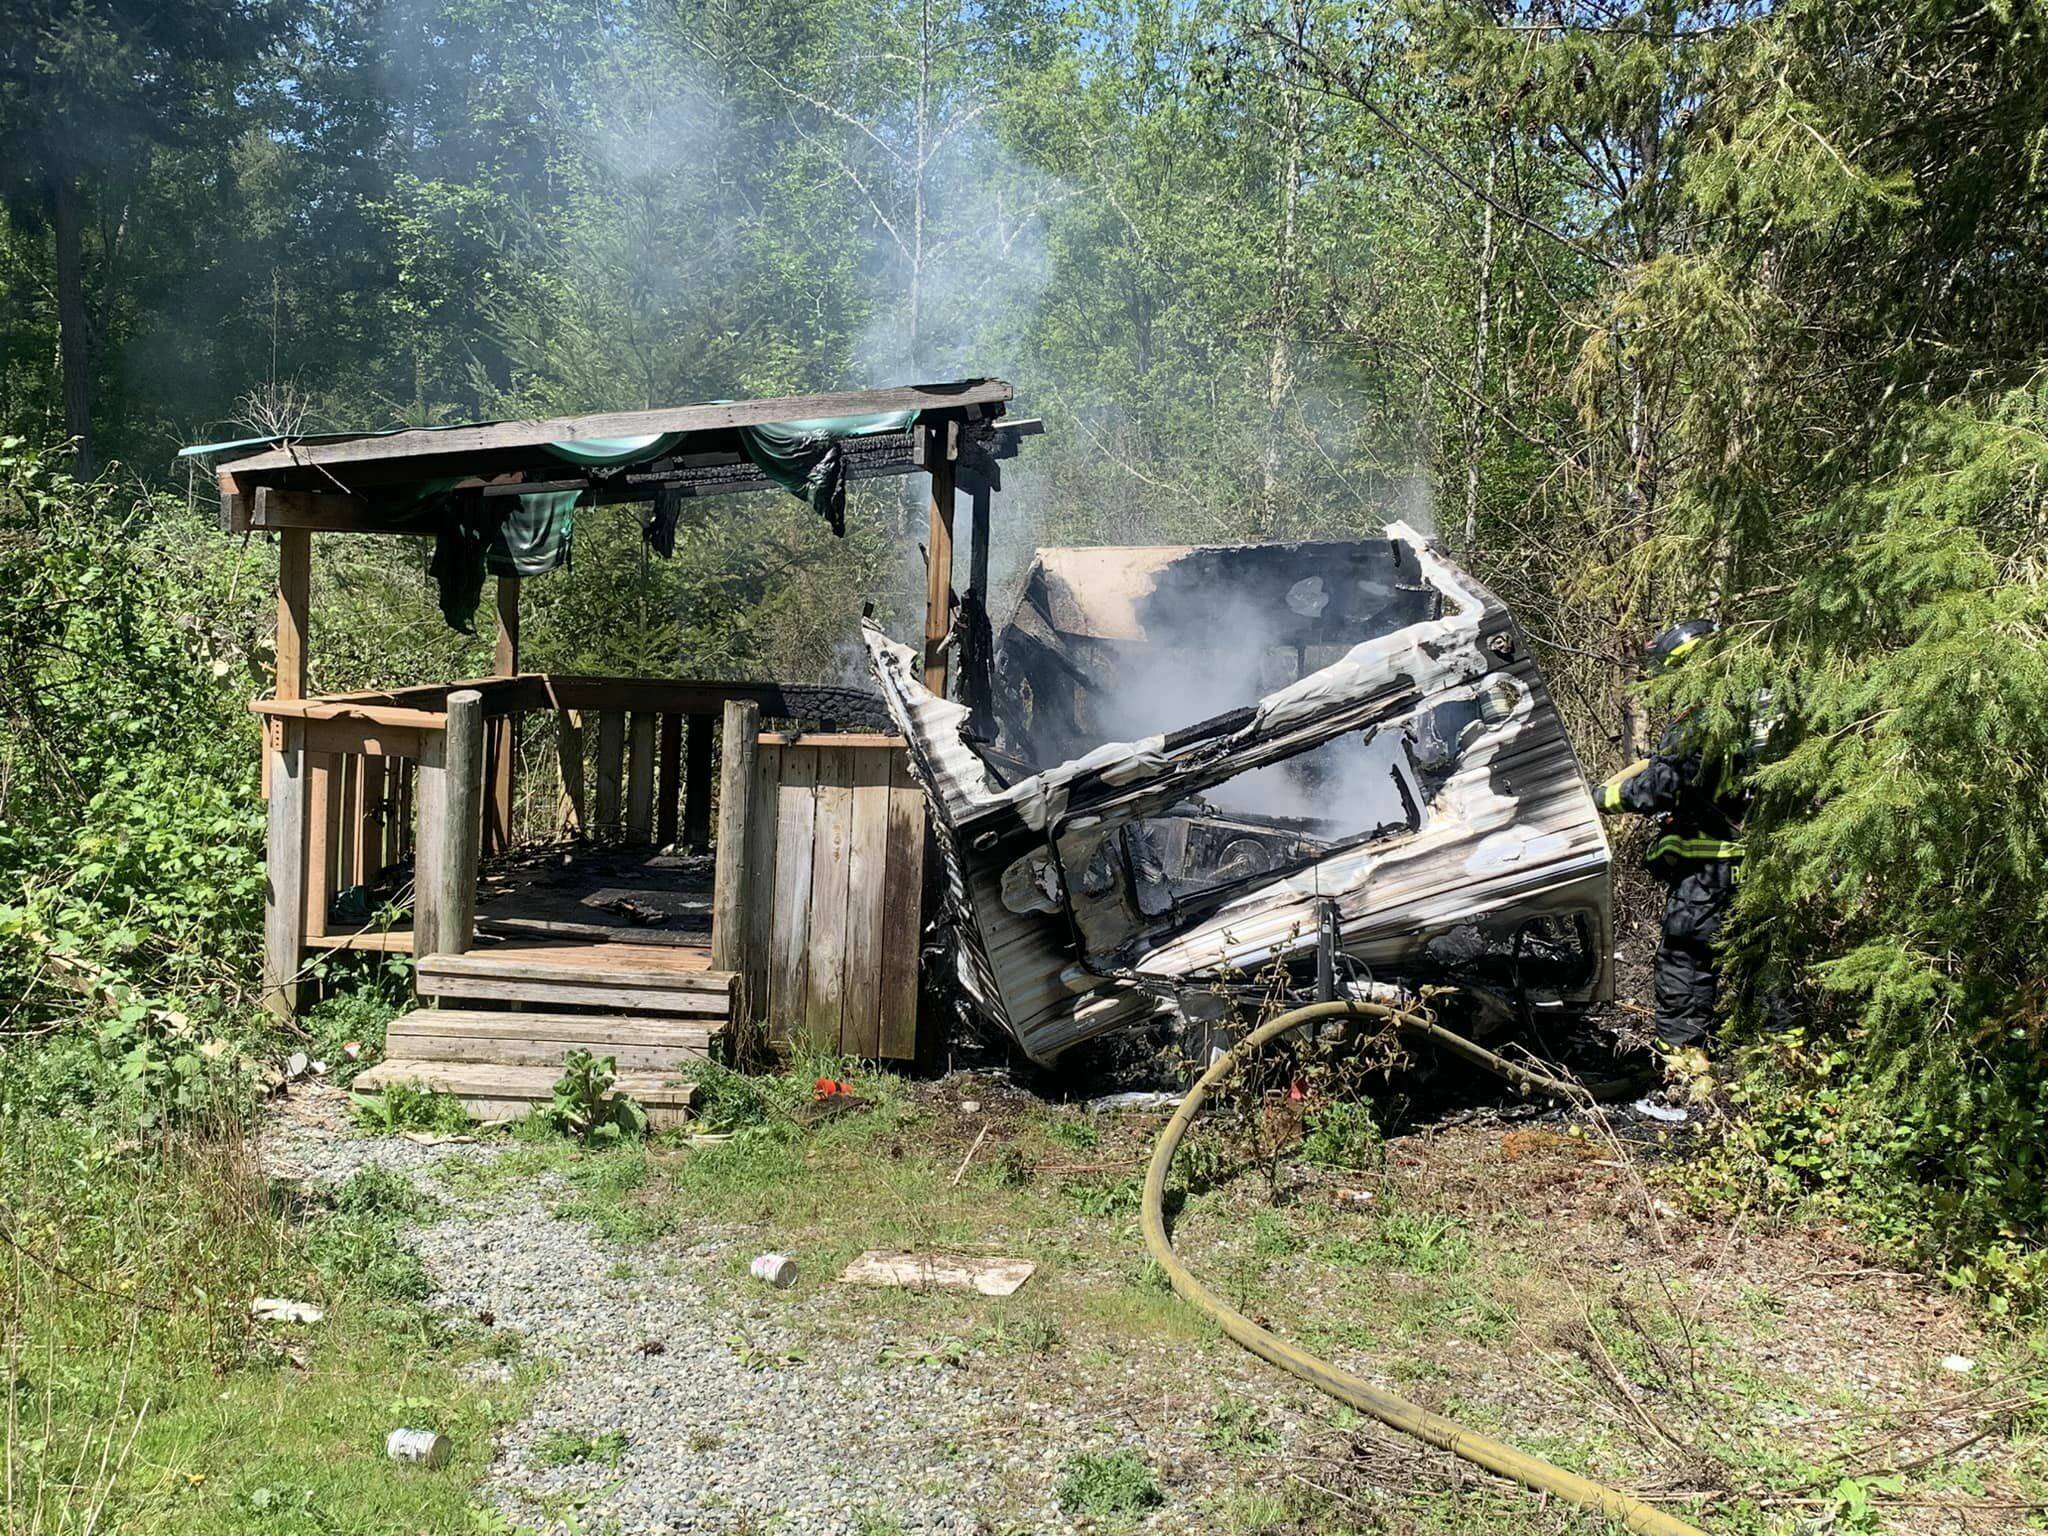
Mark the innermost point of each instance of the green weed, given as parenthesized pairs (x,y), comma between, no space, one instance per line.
(1119,1483)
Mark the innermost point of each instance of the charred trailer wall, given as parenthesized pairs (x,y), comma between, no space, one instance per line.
(1199,748)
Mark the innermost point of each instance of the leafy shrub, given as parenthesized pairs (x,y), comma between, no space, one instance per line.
(1343,1135)
(1119,1483)
(409,1107)
(585,1107)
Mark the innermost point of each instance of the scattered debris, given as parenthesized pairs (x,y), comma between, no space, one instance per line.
(438,1138)
(650,1347)
(831,1088)
(1112,1103)
(710,1138)
(1962,1365)
(961,1172)
(776,1269)
(418,1447)
(918,1272)
(1353,1199)
(275,1309)
(1663,1114)
(970,1107)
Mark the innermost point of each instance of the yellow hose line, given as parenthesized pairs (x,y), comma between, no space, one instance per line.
(1394,1411)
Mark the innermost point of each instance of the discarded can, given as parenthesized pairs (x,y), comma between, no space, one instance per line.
(417,1447)
(776,1269)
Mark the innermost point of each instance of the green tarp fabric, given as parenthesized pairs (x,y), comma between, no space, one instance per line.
(806,458)
(498,536)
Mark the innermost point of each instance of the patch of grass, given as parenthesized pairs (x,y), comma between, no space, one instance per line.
(573,1447)
(250,1429)
(375,1191)
(406,1107)
(877,1523)
(1106,1197)
(1118,1483)
(1072,1131)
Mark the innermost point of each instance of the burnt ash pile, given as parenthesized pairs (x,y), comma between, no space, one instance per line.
(1218,774)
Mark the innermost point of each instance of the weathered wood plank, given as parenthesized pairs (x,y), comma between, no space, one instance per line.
(697,784)
(569,758)
(320,777)
(576,994)
(369,818)
(662,965)
(757,879)
(276,510)
(860,1013)
(832,842)
(640,779)
(450,1034)
(730,937)
(364,738)
(284,869)
(669,794)
(611,747)
(349,824)
(790,933)
(902,912)
(684,418)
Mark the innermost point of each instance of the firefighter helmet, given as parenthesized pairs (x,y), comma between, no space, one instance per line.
(1679,641)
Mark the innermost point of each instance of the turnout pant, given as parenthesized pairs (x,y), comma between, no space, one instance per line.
(1686,979)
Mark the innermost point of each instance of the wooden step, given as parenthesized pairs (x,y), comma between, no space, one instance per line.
(621,978)
(544,1039)
(496,1091)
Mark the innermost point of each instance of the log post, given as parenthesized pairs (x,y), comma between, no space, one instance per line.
(938,439)
(697,783)
(450,798)
(284,891)
(729,937)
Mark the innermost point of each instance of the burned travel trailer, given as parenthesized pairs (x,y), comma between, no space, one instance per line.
(1206,778)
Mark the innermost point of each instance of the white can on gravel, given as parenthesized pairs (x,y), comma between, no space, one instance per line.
(417,1447)
(776,1269)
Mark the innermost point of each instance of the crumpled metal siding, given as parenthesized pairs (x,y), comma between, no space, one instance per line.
(1509,838)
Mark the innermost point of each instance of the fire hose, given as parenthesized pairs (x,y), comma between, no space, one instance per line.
(1390,1409)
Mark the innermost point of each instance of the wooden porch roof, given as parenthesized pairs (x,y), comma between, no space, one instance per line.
(365,483)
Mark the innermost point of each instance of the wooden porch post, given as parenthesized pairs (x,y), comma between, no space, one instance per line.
(937,440)
(449,796)
(284,783)
(729,936)
(504,730)
(284,866)
(977,645)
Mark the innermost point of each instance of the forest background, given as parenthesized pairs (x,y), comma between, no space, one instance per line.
(1648,310)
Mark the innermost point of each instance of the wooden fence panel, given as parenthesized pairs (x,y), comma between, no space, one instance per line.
(834,849)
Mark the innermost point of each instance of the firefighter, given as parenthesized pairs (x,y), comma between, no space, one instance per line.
(1698,805)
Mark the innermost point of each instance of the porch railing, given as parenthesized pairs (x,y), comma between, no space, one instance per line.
(442,773)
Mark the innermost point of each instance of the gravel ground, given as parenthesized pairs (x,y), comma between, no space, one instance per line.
(746,1410)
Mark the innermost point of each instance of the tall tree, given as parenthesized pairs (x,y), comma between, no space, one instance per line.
(89,90)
